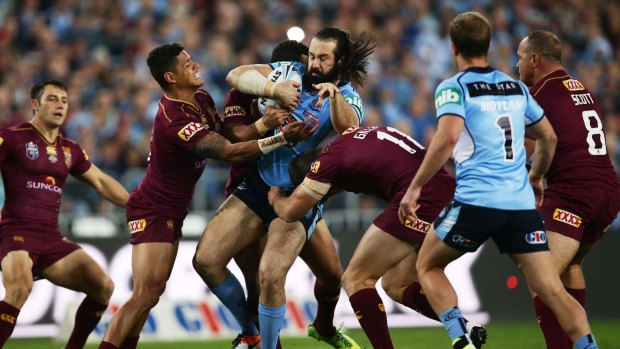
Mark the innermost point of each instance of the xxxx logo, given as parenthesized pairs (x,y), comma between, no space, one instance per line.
(418,225)
(137,226)
(567,217)
(573,85)
(187,132)
(234,110)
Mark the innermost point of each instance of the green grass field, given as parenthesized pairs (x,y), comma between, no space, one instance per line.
(502,335)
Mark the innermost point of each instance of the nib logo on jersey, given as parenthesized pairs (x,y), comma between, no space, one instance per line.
(48,184)
(536,238)
(447,95)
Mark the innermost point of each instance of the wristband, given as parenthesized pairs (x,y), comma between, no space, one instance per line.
(269,144)
(252,82)
(261,127)
(272,90)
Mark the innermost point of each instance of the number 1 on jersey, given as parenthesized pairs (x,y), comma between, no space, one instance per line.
(504,123)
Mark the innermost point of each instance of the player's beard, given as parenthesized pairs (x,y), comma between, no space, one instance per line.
(329,76)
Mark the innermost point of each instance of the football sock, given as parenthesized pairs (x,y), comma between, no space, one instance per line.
(453,322)
(252,307)
(7,321)
(86,318)
(106,345)
(579,294)
(253,310)
(414,298)
(586,342)
(130,342)
(555,337)
(370,313)
(230,293)
(270,324)
(327,300)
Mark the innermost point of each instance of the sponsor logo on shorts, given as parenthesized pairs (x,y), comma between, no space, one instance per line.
(32,151)
(536,238)
(314,168)
(567,217)
(170,224)
(573,85)
(137,226)
(187,132)
(463,241)
(8,318)
(418,225)
(446,96)
(18,238)
(234,110)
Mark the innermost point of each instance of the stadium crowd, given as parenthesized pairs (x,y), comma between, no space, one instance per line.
(98,49)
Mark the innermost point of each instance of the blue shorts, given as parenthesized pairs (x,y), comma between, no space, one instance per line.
(253,192)
(465,227)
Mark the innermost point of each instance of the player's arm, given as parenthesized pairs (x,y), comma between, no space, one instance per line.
(252,79)
(291,208)
(239,132)
(214,146)
(439,151)
(530,145)
(543,154)
(342,114)
(105,185)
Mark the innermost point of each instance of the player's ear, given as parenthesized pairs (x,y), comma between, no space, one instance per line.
(454,50)
(169,77)
(535,58)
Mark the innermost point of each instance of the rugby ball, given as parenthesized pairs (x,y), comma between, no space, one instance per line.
(282,73)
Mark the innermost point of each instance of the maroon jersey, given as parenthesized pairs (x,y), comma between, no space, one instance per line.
(379,161)
(580,156)
(34,173)
(237,110)
(173,169)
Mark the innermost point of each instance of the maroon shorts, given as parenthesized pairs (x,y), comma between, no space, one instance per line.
(434,197)
(147,225)
(582,213)
(44,248)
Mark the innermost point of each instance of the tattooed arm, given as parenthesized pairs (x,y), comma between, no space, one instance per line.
(214,146)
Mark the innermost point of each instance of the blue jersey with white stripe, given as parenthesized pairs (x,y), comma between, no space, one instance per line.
(489,155)
(273,167)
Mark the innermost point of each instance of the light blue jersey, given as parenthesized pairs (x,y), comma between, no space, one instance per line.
(489,155)
(273,167)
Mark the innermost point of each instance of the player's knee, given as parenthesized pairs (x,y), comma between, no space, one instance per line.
(393,291)
(201,263)
(270,279)
(148,297)
(331,278)
(353,282)
(106,289)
